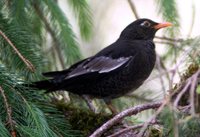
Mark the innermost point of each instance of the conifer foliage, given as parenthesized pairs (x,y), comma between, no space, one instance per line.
(24,26)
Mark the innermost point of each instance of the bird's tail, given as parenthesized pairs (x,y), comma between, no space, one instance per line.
(47,85)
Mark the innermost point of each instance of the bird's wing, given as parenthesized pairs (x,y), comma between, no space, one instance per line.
(99,64)
(63,72)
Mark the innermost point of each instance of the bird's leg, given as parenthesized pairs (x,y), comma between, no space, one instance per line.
(110,106)
(115,112)
(89,103)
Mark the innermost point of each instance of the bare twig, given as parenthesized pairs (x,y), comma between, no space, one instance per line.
(161,74)
(169,39)
(192,91)
(182,92)
(193,79)
(119,117)
(88,100)
(181,48)
(126,130)
(158,62)
(175,122)
(133,8)
(9,113)
(160,108)
(26,61)
(173,70)
(189,85)
(129,129)
(140,108)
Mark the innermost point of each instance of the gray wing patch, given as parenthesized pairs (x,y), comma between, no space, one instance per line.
(113,64)
(100,64)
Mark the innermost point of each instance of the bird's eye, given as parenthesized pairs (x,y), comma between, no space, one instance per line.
(146,24)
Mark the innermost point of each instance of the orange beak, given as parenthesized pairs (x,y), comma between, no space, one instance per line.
(162,25)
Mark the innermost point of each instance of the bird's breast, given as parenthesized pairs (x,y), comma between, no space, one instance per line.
(142,65)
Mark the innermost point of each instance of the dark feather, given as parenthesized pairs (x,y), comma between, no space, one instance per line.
(100,64)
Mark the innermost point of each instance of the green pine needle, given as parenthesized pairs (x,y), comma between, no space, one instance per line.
(3,131)
(31,113)
(82,11)
(25,43)
(65,35)
(168,10)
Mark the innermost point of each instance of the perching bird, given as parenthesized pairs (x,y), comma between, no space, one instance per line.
(114,71)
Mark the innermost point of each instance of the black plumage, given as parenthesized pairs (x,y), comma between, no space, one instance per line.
(116,70)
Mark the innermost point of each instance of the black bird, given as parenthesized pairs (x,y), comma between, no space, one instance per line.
(114,71)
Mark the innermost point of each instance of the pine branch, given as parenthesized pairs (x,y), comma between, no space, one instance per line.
(3,131)
(19,48)
(9,113)
(26,61)
(65,33)
(82,11)
(51,32)
(32,113)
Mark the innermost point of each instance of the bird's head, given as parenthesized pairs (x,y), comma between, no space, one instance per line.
(142,29)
